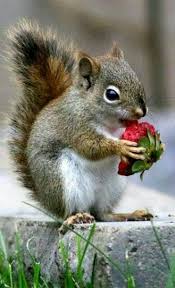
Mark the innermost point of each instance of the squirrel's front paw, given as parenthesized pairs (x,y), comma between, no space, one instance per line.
(79,218)
(129,149)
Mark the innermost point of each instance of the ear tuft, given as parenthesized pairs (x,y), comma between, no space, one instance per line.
(116,51)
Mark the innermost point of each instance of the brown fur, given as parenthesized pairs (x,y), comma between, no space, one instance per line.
(43,79)
(52,80)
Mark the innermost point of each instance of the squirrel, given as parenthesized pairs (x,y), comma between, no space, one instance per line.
(64,127)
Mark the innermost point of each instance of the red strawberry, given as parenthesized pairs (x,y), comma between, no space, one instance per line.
(137,130)
(146,136)
(124,168)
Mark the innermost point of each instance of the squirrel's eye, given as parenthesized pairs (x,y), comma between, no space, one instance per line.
(112,94)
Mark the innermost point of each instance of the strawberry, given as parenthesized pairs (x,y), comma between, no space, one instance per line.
(124,168)
(135,131)
(146,136)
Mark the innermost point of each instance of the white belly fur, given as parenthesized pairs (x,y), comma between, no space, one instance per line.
(90,183)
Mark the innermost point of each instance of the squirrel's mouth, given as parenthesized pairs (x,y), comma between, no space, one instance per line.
(120,123)
(127,122)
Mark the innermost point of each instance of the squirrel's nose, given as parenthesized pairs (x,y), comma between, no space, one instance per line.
(142,109)
(140,112)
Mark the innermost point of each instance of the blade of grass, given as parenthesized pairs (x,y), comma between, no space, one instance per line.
(76,285)
(163,252)
(45,283)
(160,245)
(21,274)
(3,246)
(79,248)
(68,281)
(36,269)
(91,234)
(79,274)
(5,265)
(131,282)
(10,275)
(171,275)
(130,278)
(91,285)
(28,250)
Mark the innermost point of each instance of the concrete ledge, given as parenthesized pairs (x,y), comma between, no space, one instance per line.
(138,238)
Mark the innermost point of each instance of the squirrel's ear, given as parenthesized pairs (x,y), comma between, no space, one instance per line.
(116,51)
(88,68)
(85,67)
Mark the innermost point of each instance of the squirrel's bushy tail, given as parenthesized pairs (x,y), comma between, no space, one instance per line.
(43,67)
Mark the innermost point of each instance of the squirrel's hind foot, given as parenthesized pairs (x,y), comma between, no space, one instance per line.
(138,215)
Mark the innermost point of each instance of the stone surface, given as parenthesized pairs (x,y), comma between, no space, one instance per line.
(135,239)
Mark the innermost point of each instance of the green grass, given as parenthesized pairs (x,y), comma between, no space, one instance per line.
(13,273)
(76,279)
(12,269)
(171,275)
(130,283)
